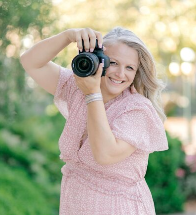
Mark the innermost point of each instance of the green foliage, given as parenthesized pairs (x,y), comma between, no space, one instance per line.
(162,178)
(31,147)
(28,137)
(189,185)
(189,179)
(19,194)
(18,18)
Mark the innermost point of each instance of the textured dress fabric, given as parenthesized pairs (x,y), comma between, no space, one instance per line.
(89,188)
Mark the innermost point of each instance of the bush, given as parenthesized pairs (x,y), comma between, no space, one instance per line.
(29,151)
(189,179)
(164,177)
(20,195)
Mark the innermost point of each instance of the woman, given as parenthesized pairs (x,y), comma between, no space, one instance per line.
(106,142)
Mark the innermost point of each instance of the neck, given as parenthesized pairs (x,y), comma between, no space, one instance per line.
(107,97)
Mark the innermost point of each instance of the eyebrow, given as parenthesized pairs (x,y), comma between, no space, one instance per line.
(130,64)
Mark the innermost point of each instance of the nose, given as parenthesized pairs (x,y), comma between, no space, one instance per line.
(120,72)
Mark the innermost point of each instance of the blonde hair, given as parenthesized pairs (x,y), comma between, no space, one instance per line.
(146,81)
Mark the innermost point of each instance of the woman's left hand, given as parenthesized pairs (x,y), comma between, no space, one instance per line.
(90,84)
(133,90)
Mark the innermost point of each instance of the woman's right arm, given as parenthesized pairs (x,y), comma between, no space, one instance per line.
(37,60)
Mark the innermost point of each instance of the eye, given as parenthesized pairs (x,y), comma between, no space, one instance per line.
(113,63)
(131,68)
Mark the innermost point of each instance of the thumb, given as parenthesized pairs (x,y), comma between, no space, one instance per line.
(100,69)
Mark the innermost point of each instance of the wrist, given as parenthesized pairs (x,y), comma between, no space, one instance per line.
(93,97)
(67,34)
(93,92)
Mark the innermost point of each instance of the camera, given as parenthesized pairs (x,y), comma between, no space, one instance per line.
(87,63)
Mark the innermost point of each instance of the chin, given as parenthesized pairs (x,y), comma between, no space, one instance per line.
(113,90)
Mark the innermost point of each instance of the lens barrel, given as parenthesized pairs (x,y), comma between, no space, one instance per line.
(85,64)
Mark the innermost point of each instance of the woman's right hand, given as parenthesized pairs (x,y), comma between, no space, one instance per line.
(89,37)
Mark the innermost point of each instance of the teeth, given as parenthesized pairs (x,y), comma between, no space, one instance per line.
(117,82)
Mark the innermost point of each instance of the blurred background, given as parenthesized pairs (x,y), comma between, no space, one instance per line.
(30,124)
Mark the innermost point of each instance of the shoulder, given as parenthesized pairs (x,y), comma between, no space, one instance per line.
(139,105)
(66,73)
(67,76)
(66,86)
(136,101)
(129,104)
(141,123)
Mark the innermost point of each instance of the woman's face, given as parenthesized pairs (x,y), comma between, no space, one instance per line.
(124,63)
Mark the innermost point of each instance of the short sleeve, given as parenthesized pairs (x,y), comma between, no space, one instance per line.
(63,91)
(141,127)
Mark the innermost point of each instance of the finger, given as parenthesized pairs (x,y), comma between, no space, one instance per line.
(99,38)
(104,48)
(100,69)
(79,41)
(77,77)
(133,90)
(85,38)
(92,38)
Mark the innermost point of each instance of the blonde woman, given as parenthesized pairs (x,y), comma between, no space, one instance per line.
(107,140)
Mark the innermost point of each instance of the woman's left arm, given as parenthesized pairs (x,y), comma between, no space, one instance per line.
(105,147)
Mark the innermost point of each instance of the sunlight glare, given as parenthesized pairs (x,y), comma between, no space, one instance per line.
(28,41)
(56,2)
(174,68)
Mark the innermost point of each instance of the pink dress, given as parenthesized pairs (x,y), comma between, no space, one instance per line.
(88,188)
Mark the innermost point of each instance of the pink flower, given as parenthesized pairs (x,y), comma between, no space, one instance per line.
(180,173)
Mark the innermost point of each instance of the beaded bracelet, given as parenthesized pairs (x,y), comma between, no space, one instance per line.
(93,97)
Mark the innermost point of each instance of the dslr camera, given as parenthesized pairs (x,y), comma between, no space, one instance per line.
(87,63)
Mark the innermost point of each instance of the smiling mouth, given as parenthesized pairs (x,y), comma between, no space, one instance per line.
(115,81)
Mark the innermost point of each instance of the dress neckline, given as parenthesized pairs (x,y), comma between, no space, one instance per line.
(117,98)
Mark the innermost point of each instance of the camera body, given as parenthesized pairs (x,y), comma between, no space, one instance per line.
(87,63)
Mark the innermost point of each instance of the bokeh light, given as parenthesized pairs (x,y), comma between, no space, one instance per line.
(187,54)
(174,68)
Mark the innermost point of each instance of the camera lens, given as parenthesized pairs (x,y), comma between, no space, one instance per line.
(84,64)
